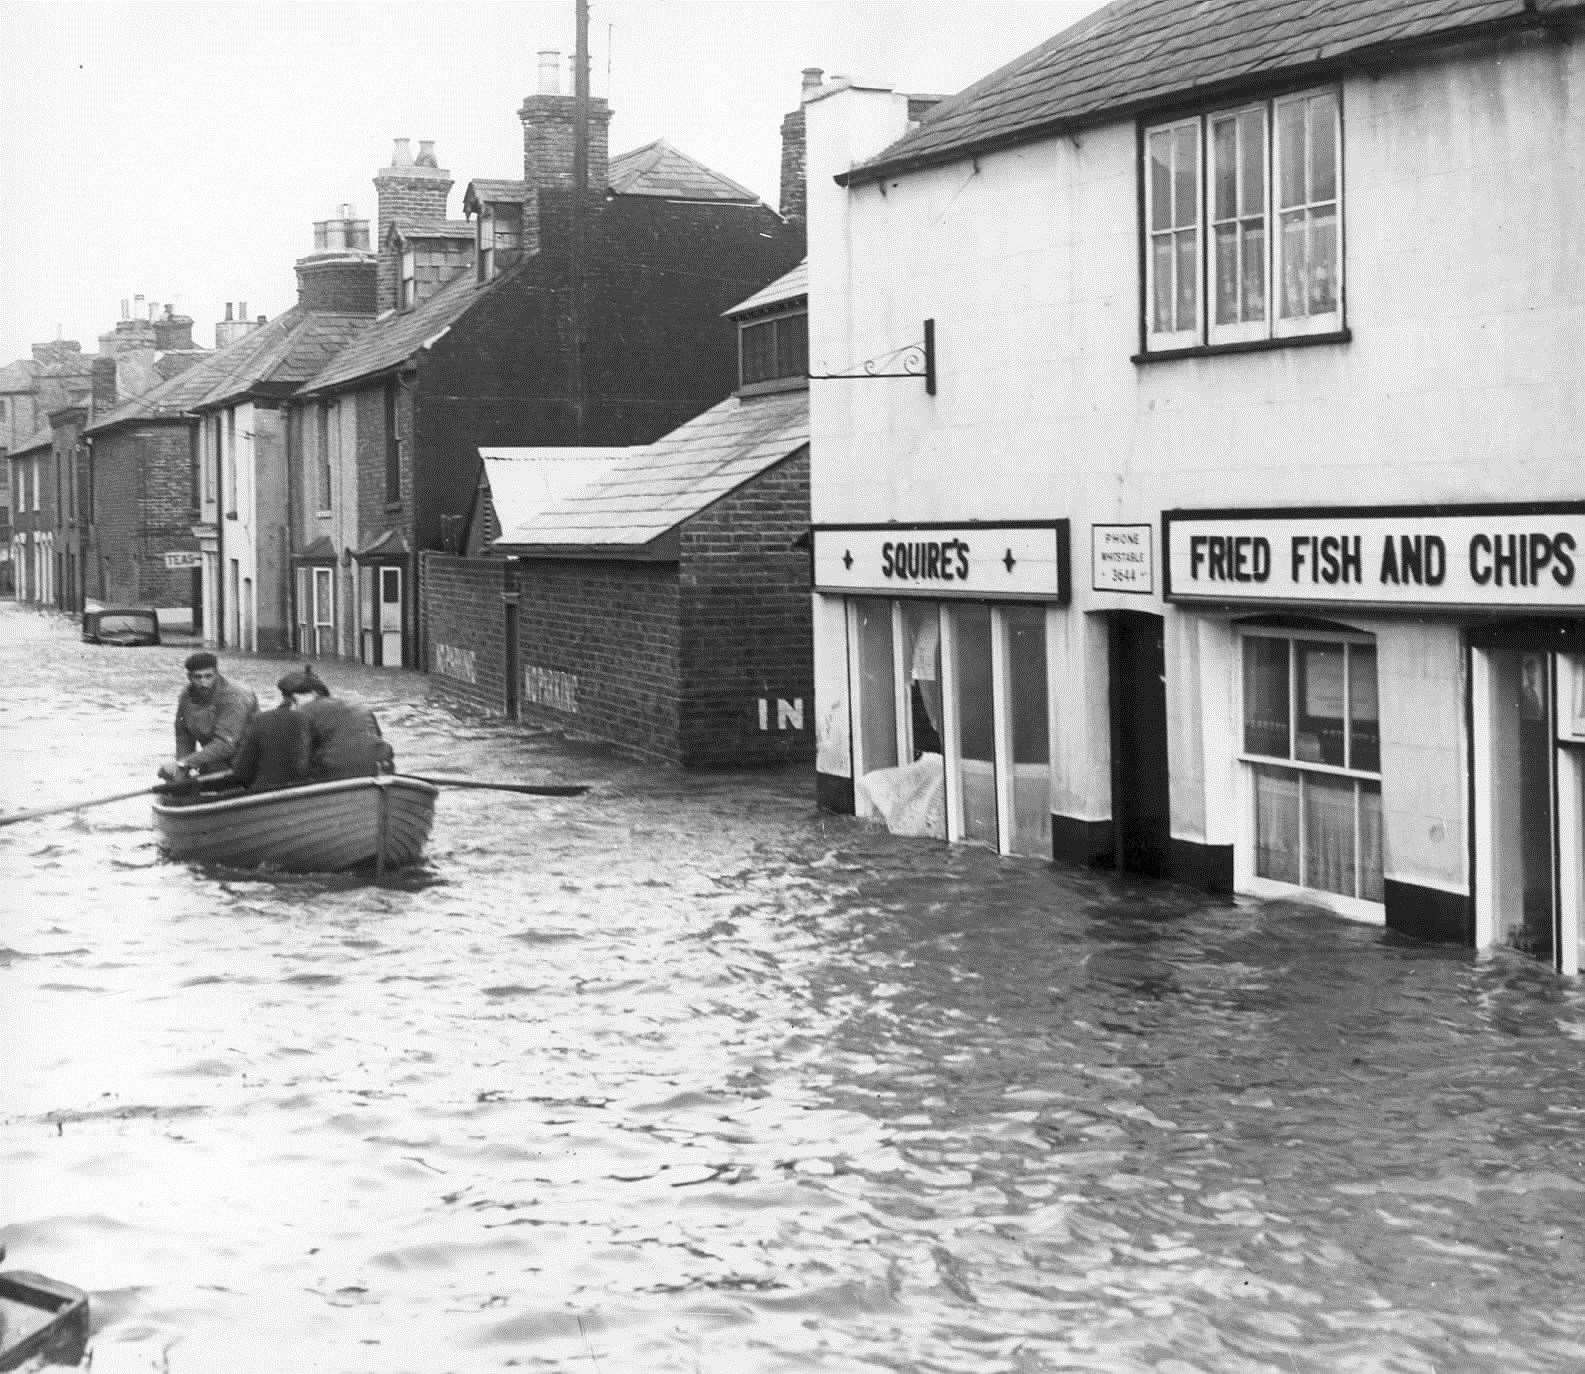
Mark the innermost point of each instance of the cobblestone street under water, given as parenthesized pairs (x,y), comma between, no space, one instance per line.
(685,1075)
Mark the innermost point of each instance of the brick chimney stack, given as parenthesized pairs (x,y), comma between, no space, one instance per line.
(408,189)
(794,185)
(341,275)
(103,378)
(173,331)
(549,126)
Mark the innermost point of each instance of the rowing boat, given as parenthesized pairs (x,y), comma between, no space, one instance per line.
(323,827)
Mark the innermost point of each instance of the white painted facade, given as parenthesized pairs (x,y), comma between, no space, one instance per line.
(1463,210)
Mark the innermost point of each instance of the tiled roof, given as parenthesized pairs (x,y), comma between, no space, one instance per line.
(173,399)
(645,496)
(42,439)
(658,169)
(395,337)
(432,228)
(1134,55)
(288,350)
(483,190)
(788,287)
(18,376)
(525,481)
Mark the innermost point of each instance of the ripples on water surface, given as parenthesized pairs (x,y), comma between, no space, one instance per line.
(684,1075)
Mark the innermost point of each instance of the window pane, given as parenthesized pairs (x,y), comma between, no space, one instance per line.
(1277,825)
(1323,262)
(1188,295)
(1161,284)
(922,653)
(759,351)
(1364,733)
(1186,191)
(1224,168)
(1026,671)
(1319,737)
(1255,270)
(794,343)
(1323,148)
(877,693)
(1370,879)
(1161,180)
(1227,274)
(1290,153)
(1266,697)
(976,767)
(1295,271)
(1252,159)
(1329,834)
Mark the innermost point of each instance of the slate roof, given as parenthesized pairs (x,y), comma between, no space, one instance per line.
(788,287)
(525,481)
(396,336)
(658,169)
(485,190)
(173,399)
(44,438)
(283,353)
(18,376)
(645,496)
(431,228)
(1134,55)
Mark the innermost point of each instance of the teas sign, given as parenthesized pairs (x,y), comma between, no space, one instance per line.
(183,558)
(1120,559)
(1513,557)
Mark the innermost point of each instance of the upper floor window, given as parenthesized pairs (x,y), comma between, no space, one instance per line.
(325,421)
(230,463)
(773,349)
(409,278)
(393,448)
(1244,224)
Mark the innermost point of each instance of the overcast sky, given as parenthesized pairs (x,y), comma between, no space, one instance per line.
(182,151)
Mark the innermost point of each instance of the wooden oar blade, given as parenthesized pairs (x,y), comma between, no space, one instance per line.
(75,806)
(531,789)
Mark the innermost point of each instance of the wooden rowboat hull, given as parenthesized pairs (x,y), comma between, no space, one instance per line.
(325,827)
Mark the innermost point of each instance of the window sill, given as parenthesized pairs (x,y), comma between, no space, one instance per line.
(1167,355)
(323,514)
(393,507)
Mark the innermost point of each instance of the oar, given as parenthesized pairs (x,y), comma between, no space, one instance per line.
(532,789)
(162,789)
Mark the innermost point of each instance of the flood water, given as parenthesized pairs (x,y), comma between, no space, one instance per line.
(684,1075)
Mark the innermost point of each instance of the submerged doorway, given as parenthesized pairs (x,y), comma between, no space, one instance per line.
(1515,782)
(1141,823)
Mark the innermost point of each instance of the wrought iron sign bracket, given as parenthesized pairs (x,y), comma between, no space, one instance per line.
(911,360)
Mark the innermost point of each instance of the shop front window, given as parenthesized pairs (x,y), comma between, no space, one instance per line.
(1311,742)
(952,737)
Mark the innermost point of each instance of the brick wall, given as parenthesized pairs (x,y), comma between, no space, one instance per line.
(464,623)
(601,637)
(747,655)
(406,192)
(143,508)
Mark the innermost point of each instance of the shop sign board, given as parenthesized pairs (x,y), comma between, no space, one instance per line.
(184,558)
(1006,562)
(1508,557)
(1121,558)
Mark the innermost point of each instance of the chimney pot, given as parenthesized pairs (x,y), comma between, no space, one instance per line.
(228,312)
(242,310)
(126,312)
(811,82)
(137,307)
(264,319)
(549,71)
(426,153)
(402,153)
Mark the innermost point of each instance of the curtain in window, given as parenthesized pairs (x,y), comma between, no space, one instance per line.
(1277,825)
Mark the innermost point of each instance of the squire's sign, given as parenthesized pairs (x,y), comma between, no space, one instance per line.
(1514,557)
(1013,560)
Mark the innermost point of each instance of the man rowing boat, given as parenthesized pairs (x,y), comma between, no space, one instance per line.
(212,714)
(345,736)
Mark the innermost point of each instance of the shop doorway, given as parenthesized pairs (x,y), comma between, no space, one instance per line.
(1141,825)
(1515,789)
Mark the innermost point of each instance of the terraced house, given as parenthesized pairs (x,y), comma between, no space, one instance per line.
(1232,528)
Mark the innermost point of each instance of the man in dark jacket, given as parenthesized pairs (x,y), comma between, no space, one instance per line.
(276,749)
(345,739)
(211,716)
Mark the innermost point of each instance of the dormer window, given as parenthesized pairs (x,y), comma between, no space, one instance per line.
(409,277)
(486,244)
(498,237)
(773,351)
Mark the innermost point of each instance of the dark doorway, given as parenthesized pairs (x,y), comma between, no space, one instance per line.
(513,686)
(1140,811)
(197,601)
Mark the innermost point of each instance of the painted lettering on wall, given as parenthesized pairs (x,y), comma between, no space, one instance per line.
(552,688)
(926,560)
(1500,559)
(456,663)
(789,714)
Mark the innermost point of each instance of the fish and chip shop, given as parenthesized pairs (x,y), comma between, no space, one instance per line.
(1378,710)
(1408,743)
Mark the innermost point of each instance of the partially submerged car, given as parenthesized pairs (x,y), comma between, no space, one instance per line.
(122,625)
